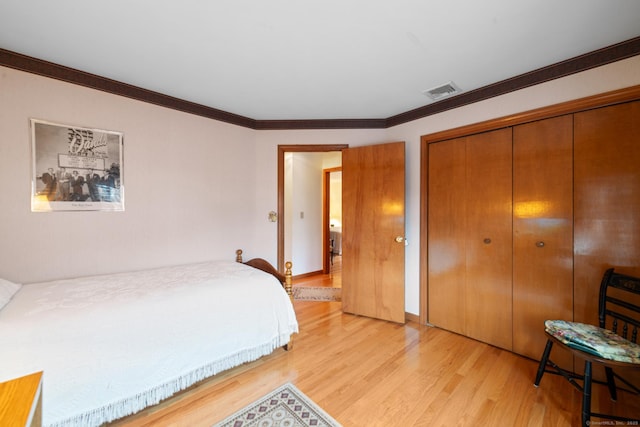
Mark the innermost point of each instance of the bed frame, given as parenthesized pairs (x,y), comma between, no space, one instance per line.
(285,279)
(18,388)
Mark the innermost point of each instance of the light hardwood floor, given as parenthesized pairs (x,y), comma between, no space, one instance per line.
(367,373)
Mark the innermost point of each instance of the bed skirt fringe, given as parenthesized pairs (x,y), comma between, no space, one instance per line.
(151,397)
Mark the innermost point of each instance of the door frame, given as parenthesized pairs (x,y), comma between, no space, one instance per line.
(282,149)
(326,211)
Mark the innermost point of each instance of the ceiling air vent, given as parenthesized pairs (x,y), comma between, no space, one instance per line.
(442,91)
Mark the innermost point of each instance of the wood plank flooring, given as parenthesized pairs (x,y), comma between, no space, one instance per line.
(366,372)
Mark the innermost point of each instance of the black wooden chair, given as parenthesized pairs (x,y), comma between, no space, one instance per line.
(613,344)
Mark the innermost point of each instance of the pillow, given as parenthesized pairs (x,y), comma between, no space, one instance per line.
(7,290)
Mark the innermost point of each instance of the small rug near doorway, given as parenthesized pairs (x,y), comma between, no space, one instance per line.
(284,407)
(310,293)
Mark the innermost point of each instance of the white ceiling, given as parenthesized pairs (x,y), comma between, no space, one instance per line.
(306,59)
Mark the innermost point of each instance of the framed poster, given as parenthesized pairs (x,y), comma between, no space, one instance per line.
(75,168)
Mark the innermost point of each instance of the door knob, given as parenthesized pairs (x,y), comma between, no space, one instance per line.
(540,244)
(399,239)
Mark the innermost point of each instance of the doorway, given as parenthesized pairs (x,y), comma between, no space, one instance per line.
(376,185)
(283,230)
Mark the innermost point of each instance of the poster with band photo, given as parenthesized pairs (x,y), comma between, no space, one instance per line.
(75,168)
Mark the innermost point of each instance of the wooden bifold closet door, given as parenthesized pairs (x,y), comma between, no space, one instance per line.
(500,233)
(470,236)
(542,232)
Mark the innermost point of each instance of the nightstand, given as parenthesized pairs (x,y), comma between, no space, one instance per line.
(21,401)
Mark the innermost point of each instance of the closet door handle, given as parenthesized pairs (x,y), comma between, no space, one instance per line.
(540,244)
(486,241)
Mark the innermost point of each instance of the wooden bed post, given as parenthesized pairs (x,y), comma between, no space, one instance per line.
(288,281)
(288,286)
(239,255)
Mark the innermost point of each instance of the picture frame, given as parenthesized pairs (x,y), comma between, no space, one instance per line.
(76,168)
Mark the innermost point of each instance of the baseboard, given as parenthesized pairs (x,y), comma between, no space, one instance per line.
(312,273)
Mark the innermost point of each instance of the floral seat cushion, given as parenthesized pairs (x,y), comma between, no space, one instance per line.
(594,340)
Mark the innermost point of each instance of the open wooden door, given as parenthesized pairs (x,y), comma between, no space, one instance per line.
(373,200)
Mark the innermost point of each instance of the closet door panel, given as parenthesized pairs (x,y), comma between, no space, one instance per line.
(488,289)
(543,232)
(606,200)
(446,241)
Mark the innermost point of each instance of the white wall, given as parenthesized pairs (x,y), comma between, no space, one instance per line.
(288,209)
(335,199)
(190,186)
(306,212)
(221,182)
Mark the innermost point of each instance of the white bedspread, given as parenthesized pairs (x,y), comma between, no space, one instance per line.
(112,345)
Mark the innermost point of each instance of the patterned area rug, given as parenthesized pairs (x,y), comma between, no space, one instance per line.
(284,407)
(309,293)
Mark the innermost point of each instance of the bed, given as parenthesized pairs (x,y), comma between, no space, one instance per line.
(112,345)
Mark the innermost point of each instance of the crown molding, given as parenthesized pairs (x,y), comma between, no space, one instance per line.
(574,65)
(93,81)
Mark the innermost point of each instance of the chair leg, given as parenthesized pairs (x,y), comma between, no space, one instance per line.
(611,382)
(586,395)
(543,362)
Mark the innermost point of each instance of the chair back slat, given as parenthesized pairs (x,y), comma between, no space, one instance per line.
(619,308)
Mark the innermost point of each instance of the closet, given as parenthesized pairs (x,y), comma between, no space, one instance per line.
(523,215)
